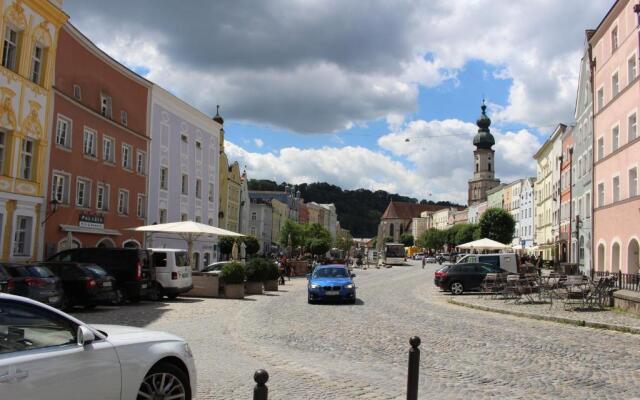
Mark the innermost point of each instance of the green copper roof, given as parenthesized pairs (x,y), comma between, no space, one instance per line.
(483,139)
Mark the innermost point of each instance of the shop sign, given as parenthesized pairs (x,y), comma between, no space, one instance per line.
(91,221)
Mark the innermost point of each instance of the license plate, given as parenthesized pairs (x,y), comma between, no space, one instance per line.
(332,292)
(106,284)
(143,286)
(54,299)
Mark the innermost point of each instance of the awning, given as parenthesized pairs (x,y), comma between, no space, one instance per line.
(94,231)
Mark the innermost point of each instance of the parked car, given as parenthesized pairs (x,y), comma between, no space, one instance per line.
(215,268)
(331,282)
(60,357)
(130,268)
(36,282)
(506,261)
(418,256)
(171,272)
(84,284)
(431,260)
(460,278)
(6,283)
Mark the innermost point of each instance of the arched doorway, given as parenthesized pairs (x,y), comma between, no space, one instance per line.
(105,243)
(615,257)
(633,254)
(601,257)
(131,244)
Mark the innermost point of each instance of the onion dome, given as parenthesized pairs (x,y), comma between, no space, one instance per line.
(217,117)
(483,139)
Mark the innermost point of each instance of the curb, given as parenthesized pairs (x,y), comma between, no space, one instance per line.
(559,320)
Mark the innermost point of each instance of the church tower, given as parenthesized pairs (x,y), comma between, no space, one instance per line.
(483,162)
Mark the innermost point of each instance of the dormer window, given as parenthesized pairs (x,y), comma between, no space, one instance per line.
(105,105)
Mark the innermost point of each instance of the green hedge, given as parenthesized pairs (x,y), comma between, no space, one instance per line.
(233,273)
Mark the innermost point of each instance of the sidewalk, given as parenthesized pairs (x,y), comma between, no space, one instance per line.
(608,319)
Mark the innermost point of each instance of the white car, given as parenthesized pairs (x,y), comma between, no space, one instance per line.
(45,353)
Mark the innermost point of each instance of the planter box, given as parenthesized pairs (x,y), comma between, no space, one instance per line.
(204,285)
(271,286)
(253,288)
(234,291)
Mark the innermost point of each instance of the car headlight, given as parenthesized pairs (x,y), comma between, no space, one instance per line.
(350,286)
(314,286)
(187,350)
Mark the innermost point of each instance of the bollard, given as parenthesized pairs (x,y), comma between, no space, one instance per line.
(260,391)
(414,369)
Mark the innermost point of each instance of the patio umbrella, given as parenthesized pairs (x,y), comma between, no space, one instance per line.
(187,230)
(484,244)
(234,251)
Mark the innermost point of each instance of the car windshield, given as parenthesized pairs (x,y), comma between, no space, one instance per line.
(96,270)
(337,272)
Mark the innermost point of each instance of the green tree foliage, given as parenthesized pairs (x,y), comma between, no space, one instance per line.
(433,239)
(317,239)
(226,244)
(358,210)
(387,239)
(319,246)
(464,234)
(253,246)
(497,224)
(296,231)
(344,241)
(406,239)
(232,273)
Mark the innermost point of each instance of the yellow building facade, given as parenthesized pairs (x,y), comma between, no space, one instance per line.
(230,181)
(30,33)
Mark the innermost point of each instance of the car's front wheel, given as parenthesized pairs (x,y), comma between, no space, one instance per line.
(165,381)
(456,288)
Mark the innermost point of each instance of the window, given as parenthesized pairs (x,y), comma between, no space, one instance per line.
(124,117)
(600,194)
(184,138)
(489,167)
(632,127)
(600,98)
(600,148)
(27,159)
(123,202)
(60,188)
(615,87)
(83,188)
(587,205)
(140,206)
(102,197)
(198,188)
(10,49)
(163,215)
(254,216)
(105,105)
(107,149)
(614,39)
(39,328)
(184,184)
(126,156)
(633,182)
(77,92)
(164,178)
(631,68)
(141,162)
(184,217)
(63,132)
(211,192)
(22,236)
(37,59)
(615,138)
(198,219)
(89,146)
(253,231)
(616,188)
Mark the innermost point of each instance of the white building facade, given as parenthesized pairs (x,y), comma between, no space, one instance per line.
(261,224)
(183,171)
(526,214)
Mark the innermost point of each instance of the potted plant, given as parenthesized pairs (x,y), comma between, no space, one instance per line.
(271,276)
(233,276)
(255,275)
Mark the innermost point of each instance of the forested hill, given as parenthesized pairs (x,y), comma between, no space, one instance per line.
(359,210)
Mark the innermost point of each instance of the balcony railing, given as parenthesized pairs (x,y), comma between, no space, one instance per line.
(623,281)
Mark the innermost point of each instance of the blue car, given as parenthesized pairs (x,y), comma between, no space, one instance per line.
(331,282)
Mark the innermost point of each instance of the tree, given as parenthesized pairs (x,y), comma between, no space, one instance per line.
(465,233)
(497,224)
(432,239)
(294,229)
(226,244)
(319,246)
(406,239)
(344,241)
(252,245)
(387,239)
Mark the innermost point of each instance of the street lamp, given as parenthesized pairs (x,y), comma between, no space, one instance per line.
(53,205)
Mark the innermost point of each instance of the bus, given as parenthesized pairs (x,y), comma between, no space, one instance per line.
(394,254)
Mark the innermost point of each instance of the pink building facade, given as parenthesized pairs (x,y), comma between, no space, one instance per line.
(616,141)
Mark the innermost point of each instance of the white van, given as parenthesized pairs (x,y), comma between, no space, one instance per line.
(171,271)
(507,261)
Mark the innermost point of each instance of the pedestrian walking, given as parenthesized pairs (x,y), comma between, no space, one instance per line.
(280,272)
(424,260)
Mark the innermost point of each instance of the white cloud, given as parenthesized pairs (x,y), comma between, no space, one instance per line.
(258,142)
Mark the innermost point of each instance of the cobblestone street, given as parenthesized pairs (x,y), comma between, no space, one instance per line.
(360,351)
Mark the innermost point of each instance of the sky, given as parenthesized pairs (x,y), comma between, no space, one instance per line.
(372,94)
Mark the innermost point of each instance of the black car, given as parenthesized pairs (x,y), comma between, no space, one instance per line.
(129,267)
(6,283)
(459,278)
(85,284)
(36,282)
